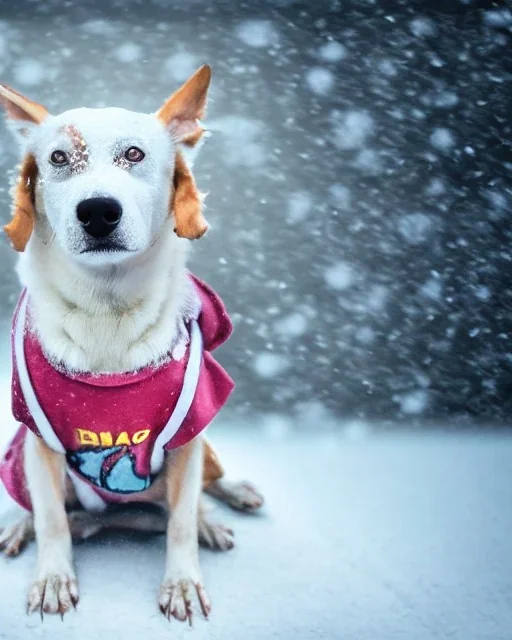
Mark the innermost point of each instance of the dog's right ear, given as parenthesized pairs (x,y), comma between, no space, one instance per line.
(23,115)
(183,110)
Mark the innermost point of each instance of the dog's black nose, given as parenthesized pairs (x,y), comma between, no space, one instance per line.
(99,216)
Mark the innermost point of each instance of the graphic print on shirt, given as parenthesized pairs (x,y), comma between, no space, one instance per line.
(111,469)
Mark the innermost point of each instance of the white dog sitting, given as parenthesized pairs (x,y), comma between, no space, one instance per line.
(113,379)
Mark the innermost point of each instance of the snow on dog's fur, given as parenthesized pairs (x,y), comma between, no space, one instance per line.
(113,305)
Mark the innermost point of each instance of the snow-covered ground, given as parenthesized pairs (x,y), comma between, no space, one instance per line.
(380,537)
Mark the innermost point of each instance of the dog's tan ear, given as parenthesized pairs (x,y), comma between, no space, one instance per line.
(180,115)
(20,108)
(186,203)
(181,112)
(20,227)
(22,114)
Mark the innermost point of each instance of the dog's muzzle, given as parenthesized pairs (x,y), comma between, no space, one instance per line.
(99,216)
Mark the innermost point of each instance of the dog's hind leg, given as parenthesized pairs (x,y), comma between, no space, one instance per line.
(84,524)
(242,495)
(15,537)
(213,534)
(147,519)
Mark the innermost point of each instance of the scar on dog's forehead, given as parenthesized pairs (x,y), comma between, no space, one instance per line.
(79,157)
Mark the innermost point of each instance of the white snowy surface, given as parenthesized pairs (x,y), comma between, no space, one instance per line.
(364,537)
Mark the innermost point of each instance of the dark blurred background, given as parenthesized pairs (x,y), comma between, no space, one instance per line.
(359,178)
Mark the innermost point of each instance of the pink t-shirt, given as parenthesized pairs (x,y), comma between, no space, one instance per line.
(108,424)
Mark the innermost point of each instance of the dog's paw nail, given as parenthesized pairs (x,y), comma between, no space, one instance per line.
(204,600)
(174,600)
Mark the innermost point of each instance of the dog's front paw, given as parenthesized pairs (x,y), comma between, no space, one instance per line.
(53,593)
(175,599)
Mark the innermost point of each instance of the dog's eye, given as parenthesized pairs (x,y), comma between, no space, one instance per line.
(59,157)
(134,154)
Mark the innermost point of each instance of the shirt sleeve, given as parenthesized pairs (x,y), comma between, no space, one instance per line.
(213,390)
(19,407)
(214,321)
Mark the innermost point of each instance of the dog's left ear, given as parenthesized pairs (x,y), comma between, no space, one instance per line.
(187,105)
(180,115)
(23,114)
(186,203)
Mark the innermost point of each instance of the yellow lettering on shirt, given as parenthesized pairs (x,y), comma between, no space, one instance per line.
(106,439)
(123,438)
(140,436)
(88,437)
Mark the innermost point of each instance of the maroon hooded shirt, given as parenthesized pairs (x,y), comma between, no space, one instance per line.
(113,428)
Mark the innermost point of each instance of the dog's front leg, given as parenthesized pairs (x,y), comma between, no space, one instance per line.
(54,589)
(184,468)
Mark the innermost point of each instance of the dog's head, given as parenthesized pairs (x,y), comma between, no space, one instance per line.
(102,181)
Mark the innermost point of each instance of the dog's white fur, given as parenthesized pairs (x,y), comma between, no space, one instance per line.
(108,312)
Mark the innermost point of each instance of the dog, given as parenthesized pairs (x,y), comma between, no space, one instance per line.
(113,378)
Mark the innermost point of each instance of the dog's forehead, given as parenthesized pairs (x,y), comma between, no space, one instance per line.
(104,124)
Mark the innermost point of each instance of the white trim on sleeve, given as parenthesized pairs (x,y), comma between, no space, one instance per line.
(188,391)
(38,415)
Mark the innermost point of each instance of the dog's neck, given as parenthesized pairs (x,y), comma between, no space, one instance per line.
(109,321)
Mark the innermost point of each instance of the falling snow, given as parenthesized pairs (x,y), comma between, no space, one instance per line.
(299,205)
(357,175)
(354,129)
(332,52)
(181,66)
(498,17)
(442,139)
(270,365)
(339,276)
(128,52)
(415,228)
(292,326)
(413,403)
(423,27)
(257,33)
(29,72)
(320,80)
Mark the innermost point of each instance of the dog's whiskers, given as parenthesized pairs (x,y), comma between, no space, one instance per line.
(50,241)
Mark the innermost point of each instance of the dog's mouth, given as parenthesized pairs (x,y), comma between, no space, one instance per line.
(105,247)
